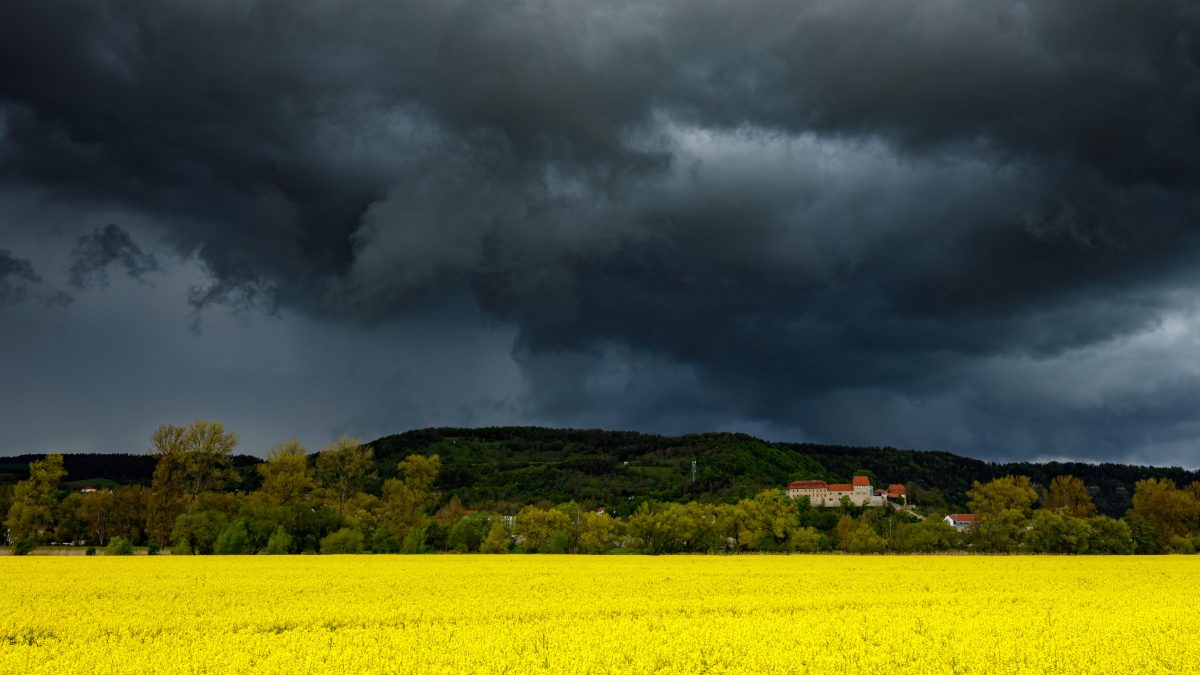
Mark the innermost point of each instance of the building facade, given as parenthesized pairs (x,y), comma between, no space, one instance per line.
(961,521)
(860,492)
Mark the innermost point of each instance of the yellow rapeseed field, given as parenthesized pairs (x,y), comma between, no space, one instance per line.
(524,614)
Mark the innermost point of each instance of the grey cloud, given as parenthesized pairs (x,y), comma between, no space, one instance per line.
(97,251)
(16,277)
(765,213)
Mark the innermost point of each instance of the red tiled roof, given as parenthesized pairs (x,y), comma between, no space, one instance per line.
(844,487)
(806,484)
(963,517)
(862,480)
(897,488)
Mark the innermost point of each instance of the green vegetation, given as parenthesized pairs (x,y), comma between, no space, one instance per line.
(118,546)
(565,491)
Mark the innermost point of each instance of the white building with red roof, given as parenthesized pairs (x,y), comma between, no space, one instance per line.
(859,491)
(961,521)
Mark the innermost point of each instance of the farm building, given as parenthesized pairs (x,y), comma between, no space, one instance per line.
(960,521)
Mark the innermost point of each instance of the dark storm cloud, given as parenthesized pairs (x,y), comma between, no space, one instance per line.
(785,214)
(102,248)
(16,276)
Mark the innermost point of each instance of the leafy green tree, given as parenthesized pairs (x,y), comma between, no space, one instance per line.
(1109,535)
(805,540)
(345,540)
(127,517)
(535,528)
(189,461)
(279,543)
(566,540)
(416,540)
(1146,537)
(1002,510)
(196,533)
(451,513)
(704,532)
(406,501)
(498,540)
(95,511)
(31,514)
(598,533)
(468,533)
(234,539)
(1009,493)
(842,532)
(1052,532)
(118,546)
(998,532)
(864,540)
(311,526)
(69,524)
(1069,496)
(343,468)
(286,477)
(1163,513)
(6,498)
(931,499)
(766,522)
(671,528)
(928,536)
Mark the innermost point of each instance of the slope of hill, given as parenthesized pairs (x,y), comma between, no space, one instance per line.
(522,465)
(617,469)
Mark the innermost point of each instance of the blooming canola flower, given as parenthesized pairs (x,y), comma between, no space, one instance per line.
(581,614)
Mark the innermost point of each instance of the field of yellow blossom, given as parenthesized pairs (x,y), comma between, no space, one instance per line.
(523,614)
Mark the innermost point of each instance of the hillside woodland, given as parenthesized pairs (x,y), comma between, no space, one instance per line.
(587,491)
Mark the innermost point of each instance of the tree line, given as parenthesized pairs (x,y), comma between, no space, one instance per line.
(335,502)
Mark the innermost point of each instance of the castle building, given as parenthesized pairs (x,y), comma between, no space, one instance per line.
(859,491)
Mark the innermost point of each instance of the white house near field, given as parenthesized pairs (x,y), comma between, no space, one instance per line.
(860,492)
(960,521)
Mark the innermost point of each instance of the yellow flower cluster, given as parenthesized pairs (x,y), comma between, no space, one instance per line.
(575,614)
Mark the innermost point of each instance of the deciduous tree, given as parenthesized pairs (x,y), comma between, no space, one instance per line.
(598,533)
(407,500)
(286,476)
(1002,509)
(31,514)
(535,528)
(498,539)
(1164,513)
(1068,496)
(189,461)
(343,467)
(1002,494)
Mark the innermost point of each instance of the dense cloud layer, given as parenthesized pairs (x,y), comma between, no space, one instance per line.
(102,248)
(962,225)
(16,276)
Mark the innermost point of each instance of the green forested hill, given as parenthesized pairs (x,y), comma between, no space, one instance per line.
(522,465)
(504,467)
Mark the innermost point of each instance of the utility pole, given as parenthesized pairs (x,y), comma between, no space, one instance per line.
(693,471)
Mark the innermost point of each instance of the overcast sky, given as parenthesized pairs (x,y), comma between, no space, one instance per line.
(956,225)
